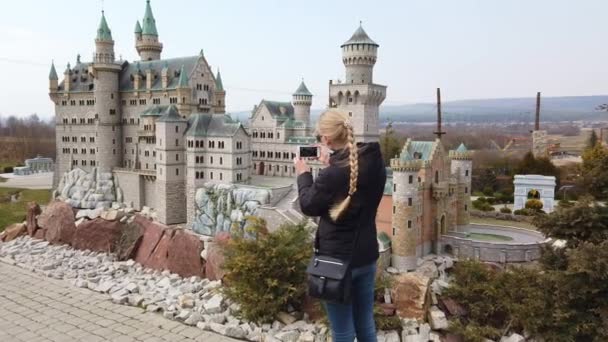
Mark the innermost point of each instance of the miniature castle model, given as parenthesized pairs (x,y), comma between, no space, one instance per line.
(157,124)
(430,196)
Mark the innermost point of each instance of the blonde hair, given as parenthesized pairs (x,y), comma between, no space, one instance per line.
(336,126)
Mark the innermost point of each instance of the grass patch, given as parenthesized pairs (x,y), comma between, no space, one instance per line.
(14,212)
(488,237)
(493,221)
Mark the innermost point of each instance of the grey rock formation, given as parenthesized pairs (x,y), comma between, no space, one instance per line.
(219,207)
(88,190)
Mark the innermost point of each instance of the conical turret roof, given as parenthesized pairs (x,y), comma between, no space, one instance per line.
(137,27)
(219,86)
(53,73)
(302,90)
(103,32)
(183,78)
(360,37)
(461,148)
(149,23)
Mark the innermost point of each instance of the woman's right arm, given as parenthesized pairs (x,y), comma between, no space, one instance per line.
(316,196)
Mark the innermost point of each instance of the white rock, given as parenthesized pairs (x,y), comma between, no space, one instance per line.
(307,336)
(286,318)
(135,300)
(105,287)
(425,330)
(433,336)
(391,336)
(289,336)
(437,319)
(214,305)
(186,301)
(226,330)
(513,338)
(132,287)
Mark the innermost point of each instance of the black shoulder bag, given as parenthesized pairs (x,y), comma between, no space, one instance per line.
(329,278)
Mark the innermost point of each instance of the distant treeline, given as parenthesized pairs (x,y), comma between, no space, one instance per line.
(26,137)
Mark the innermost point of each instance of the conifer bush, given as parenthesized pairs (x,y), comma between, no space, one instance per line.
(266,272)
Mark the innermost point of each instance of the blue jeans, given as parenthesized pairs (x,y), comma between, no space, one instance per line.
(357,317)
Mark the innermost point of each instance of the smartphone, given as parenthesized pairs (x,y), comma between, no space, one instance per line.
(308,151)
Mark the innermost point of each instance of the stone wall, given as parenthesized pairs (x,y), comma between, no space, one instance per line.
(464,248)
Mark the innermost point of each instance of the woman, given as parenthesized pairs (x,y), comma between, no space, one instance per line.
(346,195)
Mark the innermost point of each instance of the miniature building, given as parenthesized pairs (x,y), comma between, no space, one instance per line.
(534,187)
(34,165)
(428,195)
(157,124)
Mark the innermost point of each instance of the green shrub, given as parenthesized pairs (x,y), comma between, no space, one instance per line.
(488,191)
(534,204)
(8,169)
(477,193)
(482,204)
(267,273)
(565,204)
(505,210)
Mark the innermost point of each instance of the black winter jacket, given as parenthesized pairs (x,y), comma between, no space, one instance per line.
(330,187)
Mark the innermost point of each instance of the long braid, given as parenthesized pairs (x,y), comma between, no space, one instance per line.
(339,208)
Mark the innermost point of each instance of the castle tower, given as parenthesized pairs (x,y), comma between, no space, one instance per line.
(171,167)
(406,211)
(219,95)
(67,78)
(358,95)
(107,105)
(53,79)
(462,167)
(184,92)
(302,100)
(146,37)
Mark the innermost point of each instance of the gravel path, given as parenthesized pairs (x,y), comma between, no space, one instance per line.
(36,308)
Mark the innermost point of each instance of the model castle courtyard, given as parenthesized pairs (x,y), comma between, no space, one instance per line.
(156,131)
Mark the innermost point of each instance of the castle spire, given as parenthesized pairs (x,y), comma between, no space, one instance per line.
(219,86)
(183,78)
(53,73)
(149,23)
(137,28)
(103,32)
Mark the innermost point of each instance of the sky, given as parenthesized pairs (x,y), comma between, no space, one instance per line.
(470,48)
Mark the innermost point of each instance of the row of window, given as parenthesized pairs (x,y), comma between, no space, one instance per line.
(265,135)
(75,151)
(210,143)
(202,87)
(271,155)
(201,175)
(83,162)
(90,102)
(75,139)
(81,121)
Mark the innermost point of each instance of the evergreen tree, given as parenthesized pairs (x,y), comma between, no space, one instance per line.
(595,171)
(593,139)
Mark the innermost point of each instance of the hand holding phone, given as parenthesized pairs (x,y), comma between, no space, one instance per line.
(308,152)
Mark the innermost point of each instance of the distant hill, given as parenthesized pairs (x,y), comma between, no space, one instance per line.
(553,109)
